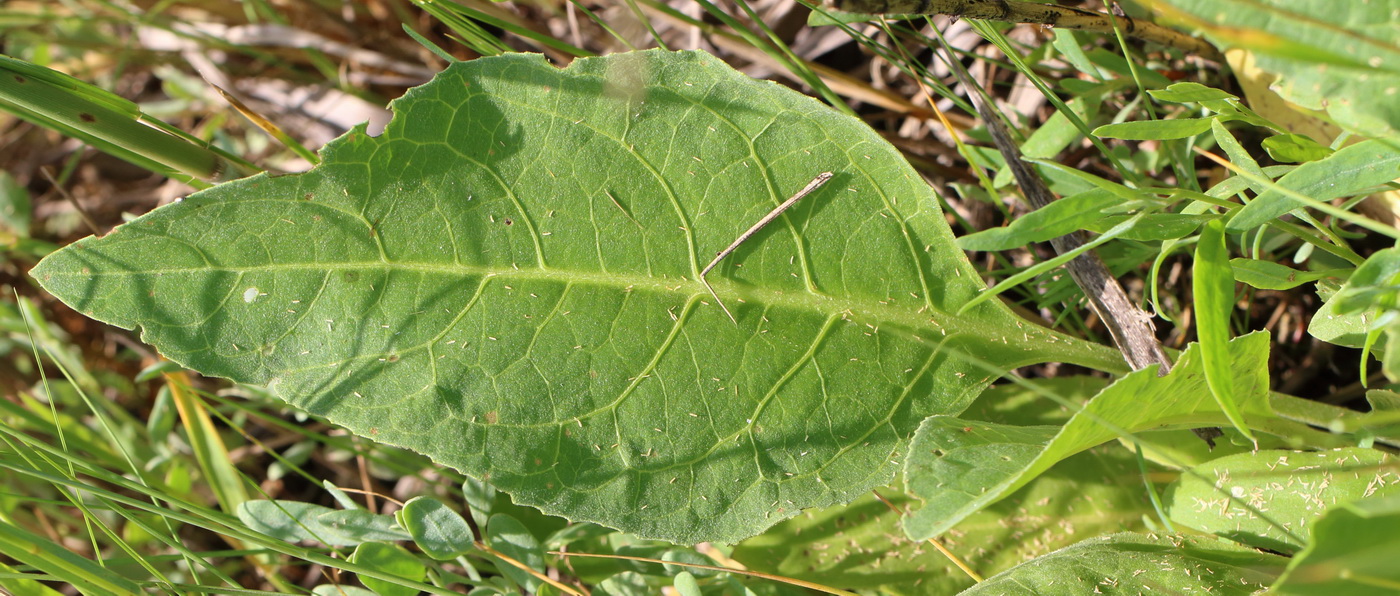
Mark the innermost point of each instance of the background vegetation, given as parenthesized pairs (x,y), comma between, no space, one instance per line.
(126,473)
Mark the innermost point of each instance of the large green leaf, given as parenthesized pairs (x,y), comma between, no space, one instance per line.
(1339,57)
(1139,564)
(862,546)
(506,280)
(959,466)
(1353,551)
(1269,499)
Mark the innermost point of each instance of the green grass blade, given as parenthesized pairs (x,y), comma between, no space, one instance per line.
(1042,267)
(72,107)
(43,554)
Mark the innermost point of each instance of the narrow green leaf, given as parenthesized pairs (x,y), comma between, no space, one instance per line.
(1375,284)
(685,584)
(1070,46)
(1390,359)
(363,525)
(506,280)
(481,499)
(688,556)
(341,590)
(14,585)
(292,521)
(439,531)
(1189,92)
(1152,226)
(1237,154)
(1155,130)
(106,121)
(1269,499)
(1119,190)
(1050,138)
(1043,266)
(1066,215)
(1353,551)
(1268,275)
(627,583)
(1350,170)
(1234,185)
(1139,564)
(1140,401)
(1335,327)
(389,559)
(510,538)
(1213,289)
(1295,148)
(27,548)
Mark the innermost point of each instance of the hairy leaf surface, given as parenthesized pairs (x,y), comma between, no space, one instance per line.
(1270,499)
(507,281)
(1139,564)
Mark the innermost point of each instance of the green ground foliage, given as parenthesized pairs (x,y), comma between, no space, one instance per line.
(402,296)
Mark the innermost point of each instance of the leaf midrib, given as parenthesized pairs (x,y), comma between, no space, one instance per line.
(932,322)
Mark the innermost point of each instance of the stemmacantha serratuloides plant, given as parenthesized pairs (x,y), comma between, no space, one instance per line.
(507,280)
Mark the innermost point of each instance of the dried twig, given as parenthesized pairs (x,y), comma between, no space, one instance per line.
(763,221)
(1130,327)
